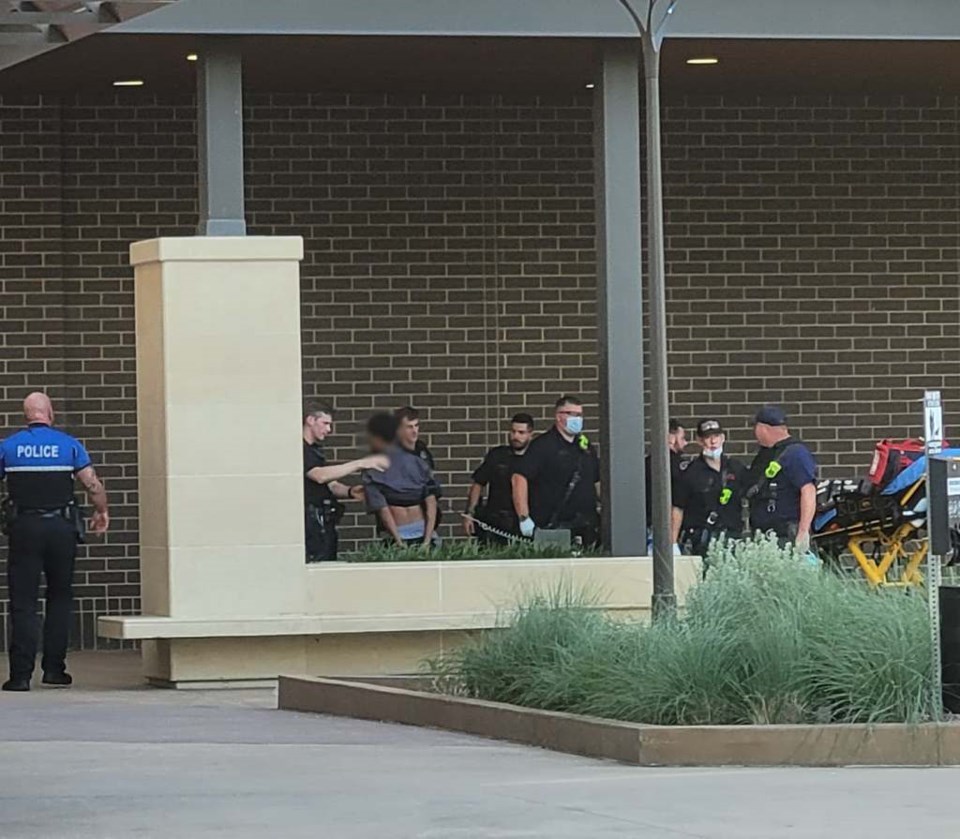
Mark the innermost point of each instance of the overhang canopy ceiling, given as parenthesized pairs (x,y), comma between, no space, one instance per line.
(465,46)
(29,28)
(844,19)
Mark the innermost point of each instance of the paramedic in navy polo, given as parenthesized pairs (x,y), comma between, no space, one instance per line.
(44,524)
(783,495)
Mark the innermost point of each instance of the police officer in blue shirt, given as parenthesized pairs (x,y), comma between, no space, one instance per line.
(44,524)
(783,492)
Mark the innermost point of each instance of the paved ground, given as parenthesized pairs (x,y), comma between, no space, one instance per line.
(109,759)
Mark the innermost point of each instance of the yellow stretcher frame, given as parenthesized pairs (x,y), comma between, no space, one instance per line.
(893,546)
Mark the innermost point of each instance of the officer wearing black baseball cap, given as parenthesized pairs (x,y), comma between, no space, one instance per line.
(708,496)
(783,492)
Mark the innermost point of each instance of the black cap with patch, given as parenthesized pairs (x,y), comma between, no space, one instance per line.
(709,426)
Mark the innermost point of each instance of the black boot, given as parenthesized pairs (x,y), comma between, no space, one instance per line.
(58,680)
(18,684)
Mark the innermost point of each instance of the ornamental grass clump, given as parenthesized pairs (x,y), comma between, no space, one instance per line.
(765,638)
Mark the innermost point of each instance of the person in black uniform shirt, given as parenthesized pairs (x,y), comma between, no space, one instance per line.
(676,443)
(496,473)
(44,524)
(321,483)
(708,494)
(783,495)
(555,483)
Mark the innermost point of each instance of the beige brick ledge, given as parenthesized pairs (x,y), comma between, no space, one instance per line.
(350,598)
(143,627)
(217,249)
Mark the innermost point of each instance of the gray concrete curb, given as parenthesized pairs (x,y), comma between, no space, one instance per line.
(643,745)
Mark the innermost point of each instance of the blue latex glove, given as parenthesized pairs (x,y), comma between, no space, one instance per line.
(527,526)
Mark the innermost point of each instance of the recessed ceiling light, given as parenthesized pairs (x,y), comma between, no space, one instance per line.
(591,86)
(129,83)
(704,61)
(193,57)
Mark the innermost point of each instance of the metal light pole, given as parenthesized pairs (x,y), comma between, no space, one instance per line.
(933,445)
(664,595)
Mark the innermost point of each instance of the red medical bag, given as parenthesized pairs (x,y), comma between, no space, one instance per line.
(893,456)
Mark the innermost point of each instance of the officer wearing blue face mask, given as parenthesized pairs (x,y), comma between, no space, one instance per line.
(555,485)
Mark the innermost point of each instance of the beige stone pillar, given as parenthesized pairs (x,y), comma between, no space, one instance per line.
(218,406)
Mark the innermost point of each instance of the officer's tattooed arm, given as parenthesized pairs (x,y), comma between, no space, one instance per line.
(98,497)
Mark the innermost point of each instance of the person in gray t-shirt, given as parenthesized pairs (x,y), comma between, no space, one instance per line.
(404,495)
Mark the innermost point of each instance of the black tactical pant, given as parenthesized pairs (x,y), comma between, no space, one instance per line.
(321,535)
(40,545)
(785,531)
(695,541)
(584,526)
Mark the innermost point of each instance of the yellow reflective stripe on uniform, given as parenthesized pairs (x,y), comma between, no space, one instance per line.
(725,495)
(772,470)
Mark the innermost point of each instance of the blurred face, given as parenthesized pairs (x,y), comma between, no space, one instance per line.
(319,426)
(409,432)
(377,444)
(677,440)
(520,435)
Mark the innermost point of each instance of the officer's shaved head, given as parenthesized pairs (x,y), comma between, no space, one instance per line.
(37,407)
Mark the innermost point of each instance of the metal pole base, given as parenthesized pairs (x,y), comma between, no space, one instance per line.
(664,605)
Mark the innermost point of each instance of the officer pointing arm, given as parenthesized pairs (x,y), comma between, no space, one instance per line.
(44,524)
(321,483)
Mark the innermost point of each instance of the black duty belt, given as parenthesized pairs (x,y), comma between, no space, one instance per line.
(57,512)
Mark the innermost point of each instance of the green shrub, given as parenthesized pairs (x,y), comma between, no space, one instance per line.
(452,550)
(765,638)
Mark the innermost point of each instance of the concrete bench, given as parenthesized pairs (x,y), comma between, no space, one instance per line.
(365,619)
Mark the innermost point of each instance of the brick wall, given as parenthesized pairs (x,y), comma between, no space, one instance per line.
(449,258)
(812,251)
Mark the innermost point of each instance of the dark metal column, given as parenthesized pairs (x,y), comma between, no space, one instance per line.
(617,120)
(664,596)
(220,132)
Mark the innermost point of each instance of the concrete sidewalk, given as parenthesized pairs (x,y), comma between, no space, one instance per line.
(113,759)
